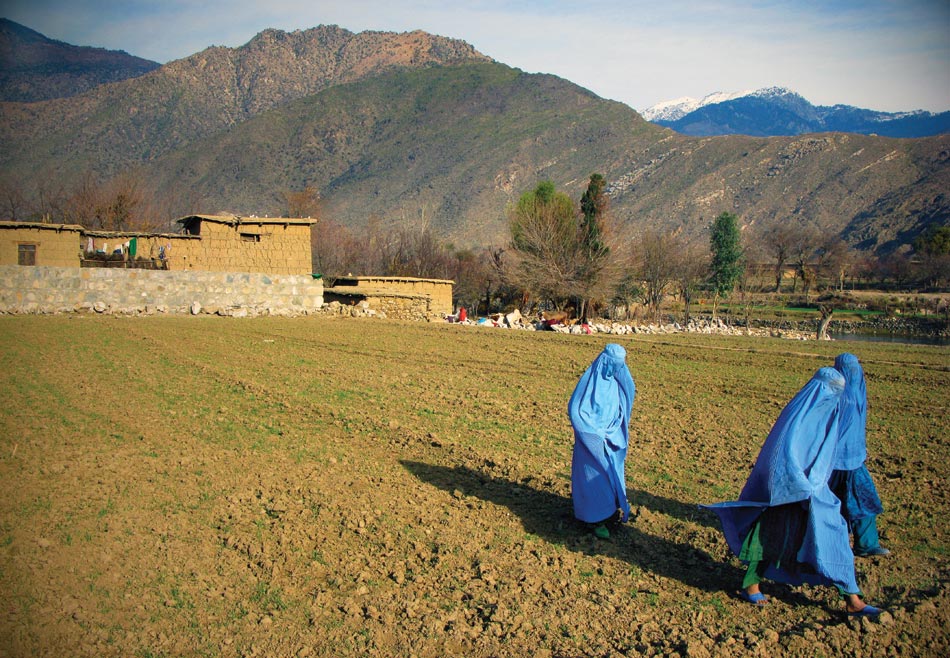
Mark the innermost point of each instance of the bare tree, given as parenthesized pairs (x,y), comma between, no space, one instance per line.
(126,202)
(49,202)
(656,266)
(123,203)
(303,203)
(163,207)
(826,312)
(779,240)
(692,264)
(803,248)
(476,278)
(897,267)
(418,252)
(14,205)
(333,249)
(340,251)
(934,269)
(555,256)
(834,259)
(866,267)
(123,200)
(408,250)
(82,204)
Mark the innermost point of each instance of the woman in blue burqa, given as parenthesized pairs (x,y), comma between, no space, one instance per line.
(850,480)
(787,524)
(599,410)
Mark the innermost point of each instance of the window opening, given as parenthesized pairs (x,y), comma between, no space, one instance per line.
(26,254)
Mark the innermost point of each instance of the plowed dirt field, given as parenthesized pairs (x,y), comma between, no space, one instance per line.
(200,486)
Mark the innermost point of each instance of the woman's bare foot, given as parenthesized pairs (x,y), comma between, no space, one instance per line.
(855,607)
(853,603)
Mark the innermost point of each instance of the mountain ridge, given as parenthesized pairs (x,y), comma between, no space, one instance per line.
(35,68)
(406,127)
(774,111)
(213,90)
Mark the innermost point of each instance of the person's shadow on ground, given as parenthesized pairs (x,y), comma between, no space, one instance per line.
(550,516)
(671,507)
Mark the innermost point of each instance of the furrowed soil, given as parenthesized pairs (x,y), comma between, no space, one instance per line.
(201,486)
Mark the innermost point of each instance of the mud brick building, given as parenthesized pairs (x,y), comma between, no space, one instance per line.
(219,264)
(403,297)
(208,243)
(230,243)
(264,265)
(28,243)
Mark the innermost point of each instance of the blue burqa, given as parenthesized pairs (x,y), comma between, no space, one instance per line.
(850,479)
(793,466)
(852,442)
(599,410)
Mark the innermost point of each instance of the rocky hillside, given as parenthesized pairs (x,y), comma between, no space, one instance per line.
(451,145)
(137,120)
(454,145)
(35,68)
(875,193)
(412,127)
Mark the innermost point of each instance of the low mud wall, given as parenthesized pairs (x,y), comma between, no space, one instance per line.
(40,290)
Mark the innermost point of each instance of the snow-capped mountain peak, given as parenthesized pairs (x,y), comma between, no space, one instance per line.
(780,111)
(679,107)
(670,110)
(768,92)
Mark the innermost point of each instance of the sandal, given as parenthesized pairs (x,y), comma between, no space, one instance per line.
(758,599)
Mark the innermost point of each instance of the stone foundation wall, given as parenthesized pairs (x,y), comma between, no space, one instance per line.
(405,307)
(70,289)
(381,304)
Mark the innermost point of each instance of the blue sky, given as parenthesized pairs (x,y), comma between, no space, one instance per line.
(879,54)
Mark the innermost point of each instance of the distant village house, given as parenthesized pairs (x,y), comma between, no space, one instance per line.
(211,243)
(216,244)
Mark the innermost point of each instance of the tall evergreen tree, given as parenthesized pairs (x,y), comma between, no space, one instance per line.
(594,207)
(595,251)
(726,244)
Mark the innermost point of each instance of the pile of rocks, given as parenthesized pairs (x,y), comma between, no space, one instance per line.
(515,320)
(358,310)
